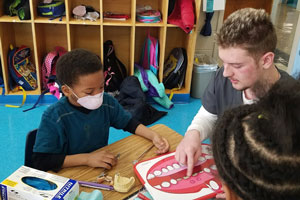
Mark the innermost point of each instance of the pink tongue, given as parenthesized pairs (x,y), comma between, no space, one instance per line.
(176,184)
(178,175)
(192,184)
(173,180)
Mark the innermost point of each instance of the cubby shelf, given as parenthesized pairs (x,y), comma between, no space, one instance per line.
(42,34)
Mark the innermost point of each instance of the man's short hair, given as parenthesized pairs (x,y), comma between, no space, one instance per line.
(250,29)
(76,63)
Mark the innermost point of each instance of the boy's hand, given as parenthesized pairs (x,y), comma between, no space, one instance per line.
(101,159)
(161,144)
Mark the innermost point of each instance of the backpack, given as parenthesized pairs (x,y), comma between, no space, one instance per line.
(49,81)
(21,69)
(114,70)
(1,79)
(175,68)
(17,7)
(149,57)
(49,66)
(53,10)
(183,15)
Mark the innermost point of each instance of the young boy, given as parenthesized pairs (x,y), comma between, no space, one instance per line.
(78,124)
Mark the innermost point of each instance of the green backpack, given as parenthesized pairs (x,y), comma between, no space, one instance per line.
(17,7)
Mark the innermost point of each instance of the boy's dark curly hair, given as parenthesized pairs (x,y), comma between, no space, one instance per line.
(257,147)
(76,63)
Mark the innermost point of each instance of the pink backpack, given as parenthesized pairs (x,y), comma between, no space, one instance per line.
(49,66)
(149,57)
(49,82)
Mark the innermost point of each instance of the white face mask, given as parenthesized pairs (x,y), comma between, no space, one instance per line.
(90,102)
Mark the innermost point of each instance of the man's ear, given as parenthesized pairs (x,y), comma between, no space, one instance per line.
(66,90)
(267,60)
(230,195)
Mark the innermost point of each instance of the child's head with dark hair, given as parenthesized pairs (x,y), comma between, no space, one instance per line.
(80,73)
(257,147)
(76,63)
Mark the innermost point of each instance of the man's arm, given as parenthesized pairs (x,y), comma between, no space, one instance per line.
(203,123)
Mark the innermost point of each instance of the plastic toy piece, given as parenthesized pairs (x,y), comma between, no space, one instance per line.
(95,195)
(123,184)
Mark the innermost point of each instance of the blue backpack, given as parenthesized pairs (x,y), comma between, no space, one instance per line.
(21,69)
(54,10)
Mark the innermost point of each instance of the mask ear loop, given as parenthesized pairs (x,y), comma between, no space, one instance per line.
(72,91)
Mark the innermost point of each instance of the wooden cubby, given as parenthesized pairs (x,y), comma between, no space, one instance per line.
(15,34)
(120,36)
(87,37)
(42,35)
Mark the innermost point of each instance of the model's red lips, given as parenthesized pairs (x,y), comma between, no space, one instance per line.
(169,176)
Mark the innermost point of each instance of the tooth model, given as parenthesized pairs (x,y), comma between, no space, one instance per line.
(123,184)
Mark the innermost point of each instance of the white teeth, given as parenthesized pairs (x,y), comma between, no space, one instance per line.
(213,167)
(158,187)
(206,170)
(157,173)
(173,181)
(209,157)
(150,176)
(182,165)
(170,167)
(176,166)
(214,185)
(165,184)
(194,174)
(179,179)
(164,170)
(186,177)
(202,159)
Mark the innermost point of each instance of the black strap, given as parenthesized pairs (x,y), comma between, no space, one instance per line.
(38,100)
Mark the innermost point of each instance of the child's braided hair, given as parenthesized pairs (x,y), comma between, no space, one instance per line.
(257,147)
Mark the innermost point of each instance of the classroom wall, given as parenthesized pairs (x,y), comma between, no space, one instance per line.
(206,44)
(294,61)
(296,67)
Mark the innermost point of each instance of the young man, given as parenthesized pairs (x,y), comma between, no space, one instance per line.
(78,124)
(247,41)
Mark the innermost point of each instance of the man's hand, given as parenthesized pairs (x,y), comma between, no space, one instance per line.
(101,159)
(189,150)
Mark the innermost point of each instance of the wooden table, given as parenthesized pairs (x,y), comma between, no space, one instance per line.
(130,148)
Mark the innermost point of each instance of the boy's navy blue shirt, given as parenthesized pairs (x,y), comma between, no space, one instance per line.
(66,130)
